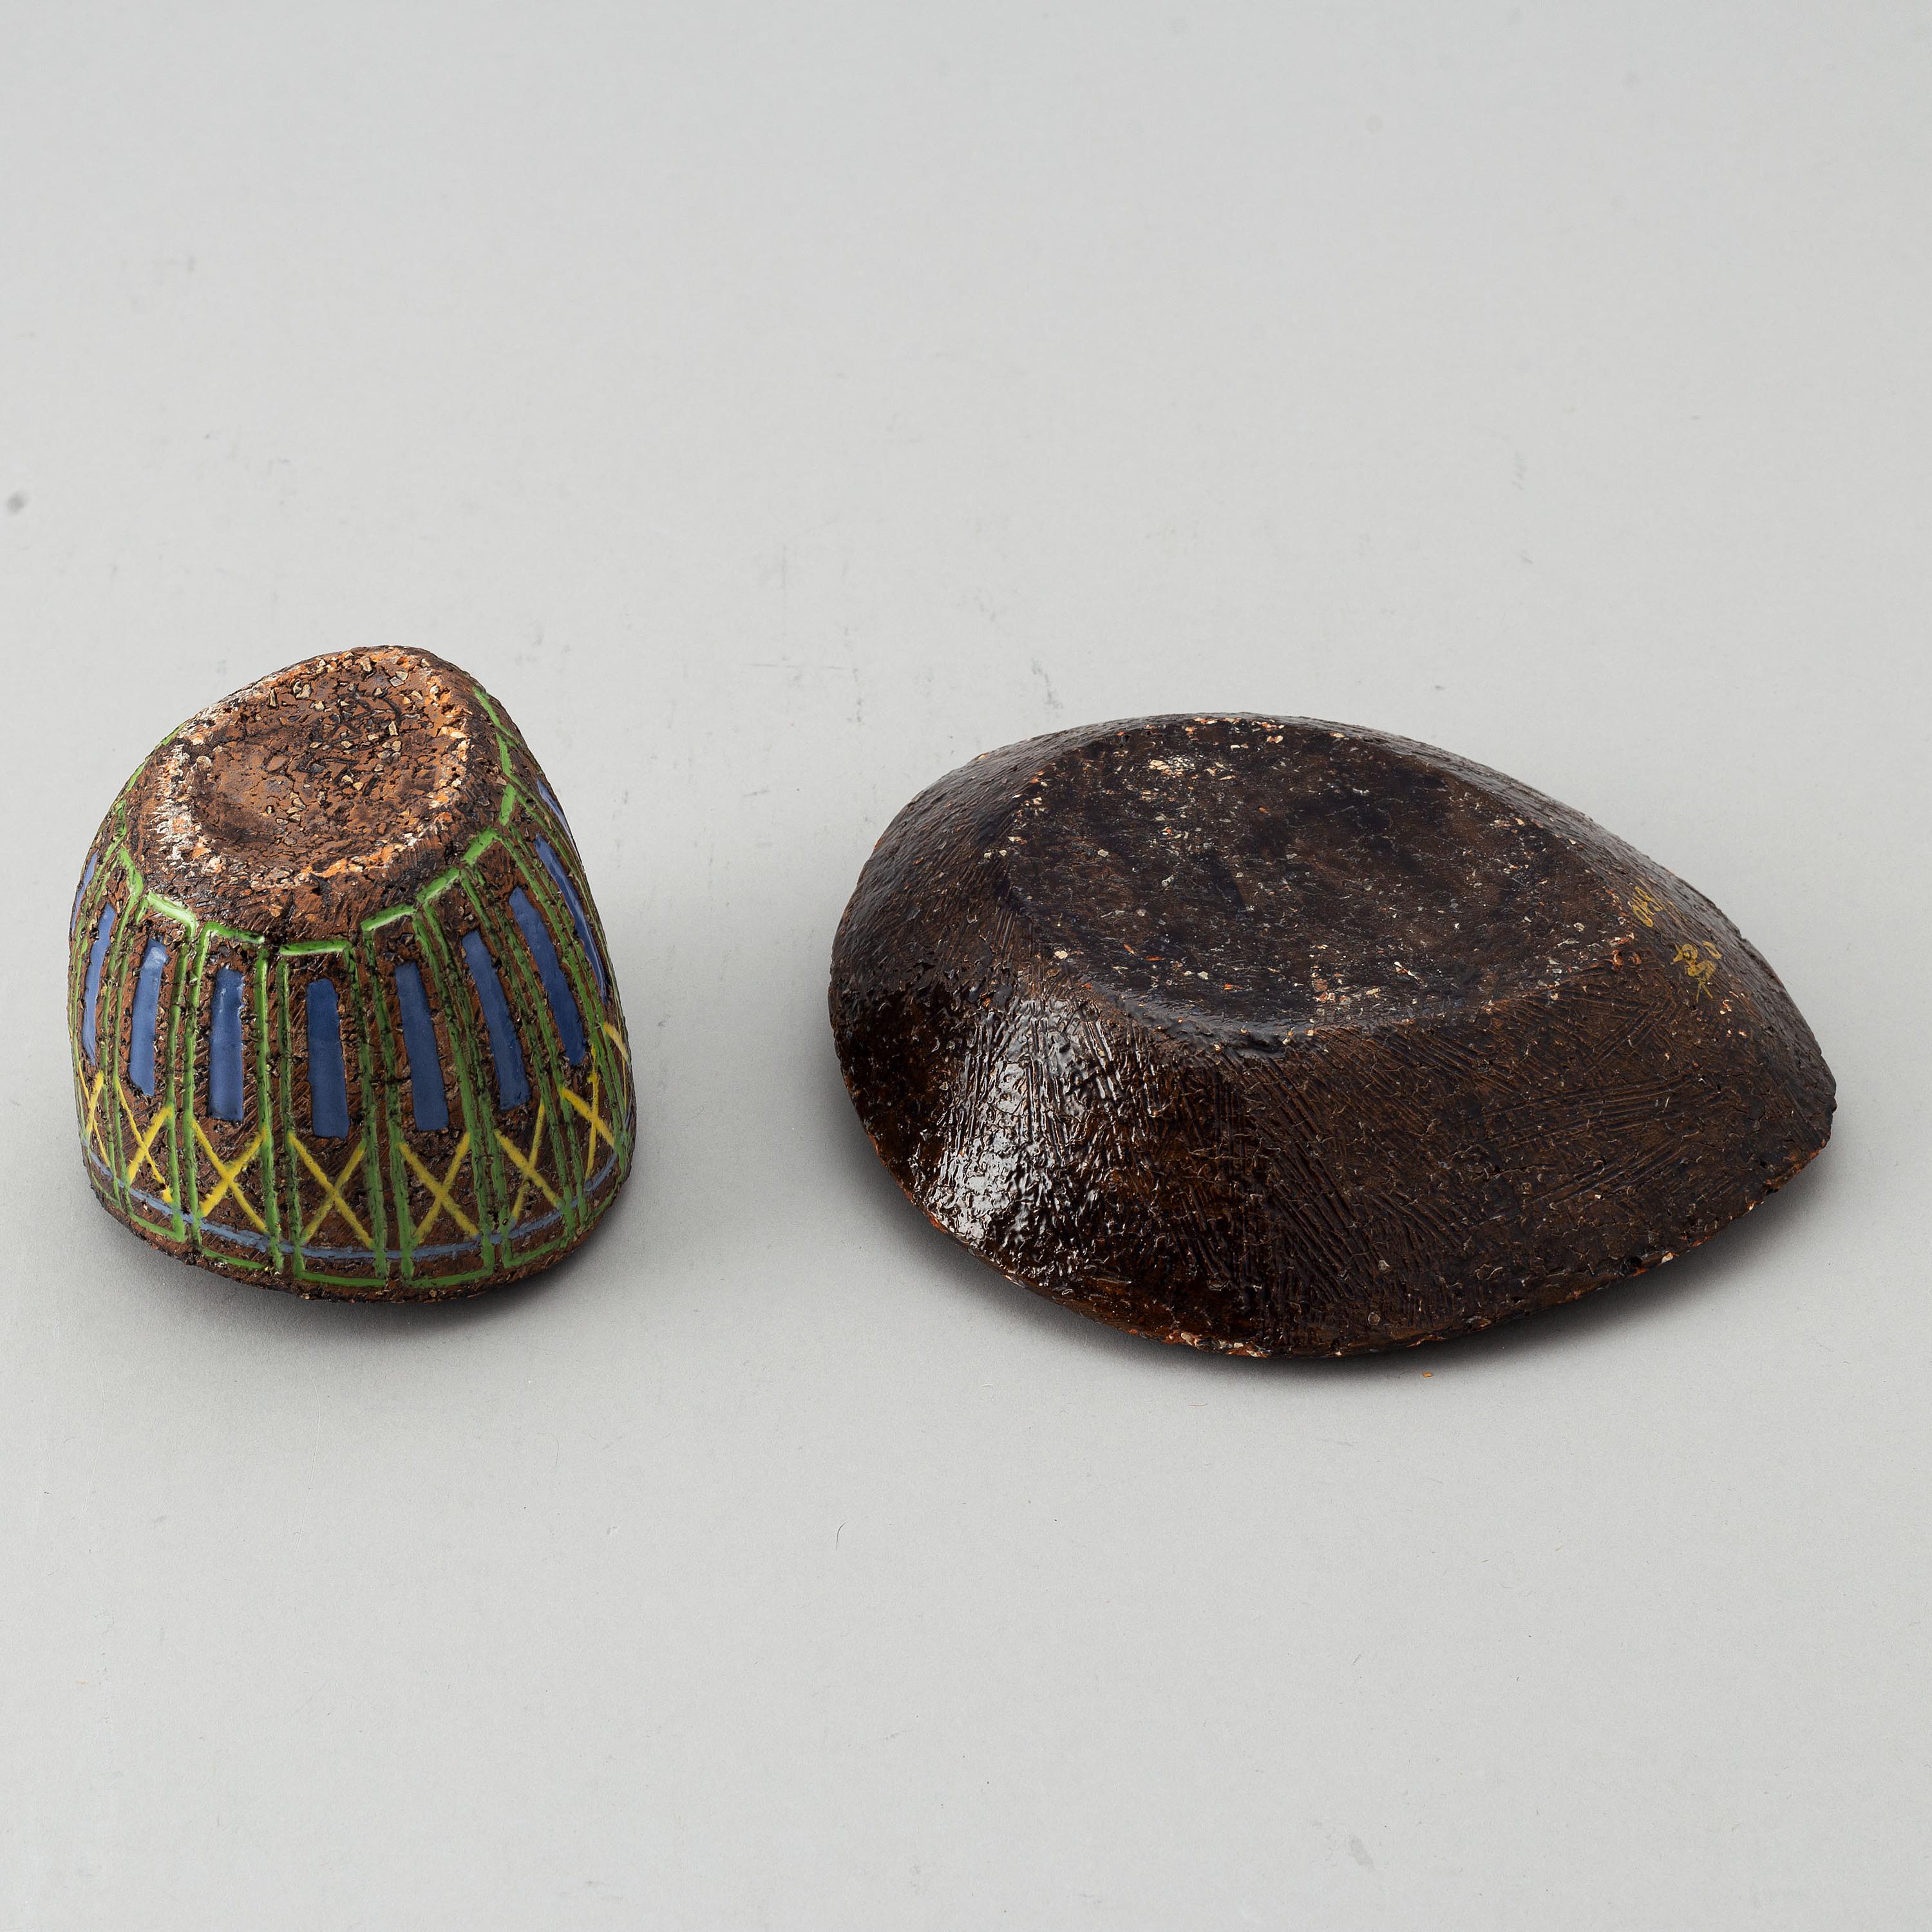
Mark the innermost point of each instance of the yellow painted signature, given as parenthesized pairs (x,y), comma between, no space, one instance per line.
(1700,965)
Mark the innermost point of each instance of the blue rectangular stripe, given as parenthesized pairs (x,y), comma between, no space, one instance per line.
(327,1082)
(147,1004)
(513,1084)
(554,865)
(549,970)
(428,1099)
(91,998)
(80,892)
(549,797)
(225,1099)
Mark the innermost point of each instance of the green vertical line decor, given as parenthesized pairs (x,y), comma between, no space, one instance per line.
(265,1116)
(178,1089)
(389,1085)
(537,1068)
(507,943)
(286,1162)
(478,1118)
(186,1088)
(107,1032)
(372,1163)
(479,1095)
(543,892)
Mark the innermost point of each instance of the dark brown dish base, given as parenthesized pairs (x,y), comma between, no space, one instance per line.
(1279,1037)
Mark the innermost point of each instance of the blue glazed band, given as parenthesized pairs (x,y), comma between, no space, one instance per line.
(248,1238)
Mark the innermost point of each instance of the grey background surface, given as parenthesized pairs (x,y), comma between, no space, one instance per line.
(776,406)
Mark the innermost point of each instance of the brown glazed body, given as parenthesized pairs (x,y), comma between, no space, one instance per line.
(1276,1036)
(340,1010)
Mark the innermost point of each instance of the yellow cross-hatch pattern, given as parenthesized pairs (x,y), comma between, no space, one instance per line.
(524,1161)
(597,1125)
(331,1193)
(131,1149)
(230,1172)
(439,1190)
(96,1131)
(144,1144)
